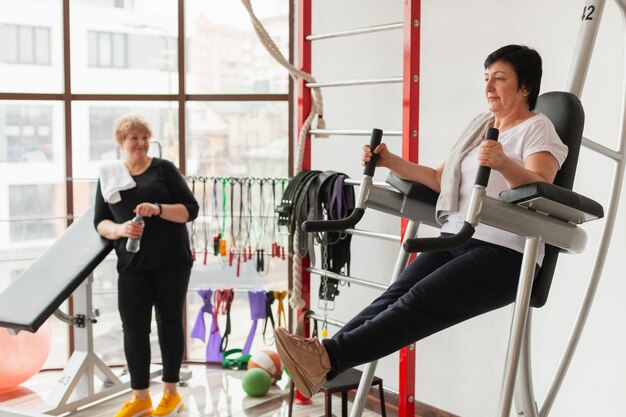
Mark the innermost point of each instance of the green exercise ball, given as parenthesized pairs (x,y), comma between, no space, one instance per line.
(256,382)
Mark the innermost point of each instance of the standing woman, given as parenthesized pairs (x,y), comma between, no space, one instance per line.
(158,274)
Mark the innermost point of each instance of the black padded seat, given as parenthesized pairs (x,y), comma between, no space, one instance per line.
(39,290)
(413,190)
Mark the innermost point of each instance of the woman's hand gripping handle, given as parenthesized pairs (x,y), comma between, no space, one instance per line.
(429,244)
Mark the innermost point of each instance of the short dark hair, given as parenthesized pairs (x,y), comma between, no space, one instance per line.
(526,63)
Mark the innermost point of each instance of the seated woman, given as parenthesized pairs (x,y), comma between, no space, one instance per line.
(441,289)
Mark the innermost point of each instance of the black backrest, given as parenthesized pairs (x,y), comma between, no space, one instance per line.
(567,114)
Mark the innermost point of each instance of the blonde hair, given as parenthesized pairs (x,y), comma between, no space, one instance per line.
(124,124)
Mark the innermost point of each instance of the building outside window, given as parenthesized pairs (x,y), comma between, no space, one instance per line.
(26,134)
(20,44)
(107,49)
(30,206)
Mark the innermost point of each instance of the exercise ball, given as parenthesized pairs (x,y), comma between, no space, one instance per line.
(268,361)
(256,382)
(22,355)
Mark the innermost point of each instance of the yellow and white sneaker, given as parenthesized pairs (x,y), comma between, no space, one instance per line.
(136,408)
(170,405)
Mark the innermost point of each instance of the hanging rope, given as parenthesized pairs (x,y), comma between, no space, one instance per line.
(318,104)
(317,108)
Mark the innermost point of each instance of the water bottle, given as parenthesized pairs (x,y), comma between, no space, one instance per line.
(133,245)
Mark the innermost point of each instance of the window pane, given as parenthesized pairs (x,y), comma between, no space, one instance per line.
(104,49)
(225,55)
(31,203)
(42,46)
(32,174)
(8,43)
(25,39)
(31,46)
(124,47)
(237,139)
(119,50)
(31,132)
(93,141)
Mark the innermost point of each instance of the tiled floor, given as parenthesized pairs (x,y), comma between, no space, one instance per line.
(211,391)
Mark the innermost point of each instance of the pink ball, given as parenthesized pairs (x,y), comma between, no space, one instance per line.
(23,355)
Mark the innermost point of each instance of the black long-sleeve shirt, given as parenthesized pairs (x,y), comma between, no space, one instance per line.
(164,244)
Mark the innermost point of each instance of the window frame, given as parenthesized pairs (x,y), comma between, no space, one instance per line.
(67,97)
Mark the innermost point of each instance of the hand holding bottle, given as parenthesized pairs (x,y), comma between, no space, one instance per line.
(133,243)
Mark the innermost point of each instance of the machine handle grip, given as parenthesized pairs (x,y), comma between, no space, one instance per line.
(377,135)
(334,225)
(431,244)
(482,176)
(357,213)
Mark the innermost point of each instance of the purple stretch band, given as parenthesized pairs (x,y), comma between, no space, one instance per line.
(213,353)
(340,201)
(257,311)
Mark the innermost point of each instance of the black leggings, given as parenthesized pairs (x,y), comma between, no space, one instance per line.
(138,292)
(436,291)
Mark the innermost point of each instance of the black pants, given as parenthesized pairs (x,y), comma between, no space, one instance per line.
(138,292)
(436,291)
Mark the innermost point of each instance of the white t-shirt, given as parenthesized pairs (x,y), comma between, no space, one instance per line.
(536,134)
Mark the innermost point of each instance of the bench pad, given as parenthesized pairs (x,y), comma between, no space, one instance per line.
(39,290)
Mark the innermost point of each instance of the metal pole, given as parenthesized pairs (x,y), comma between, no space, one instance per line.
(525,403)
(368,374)
(352,32)
(518,324)
(590,22)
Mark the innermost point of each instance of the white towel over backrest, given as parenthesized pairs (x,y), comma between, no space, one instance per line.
(114,177)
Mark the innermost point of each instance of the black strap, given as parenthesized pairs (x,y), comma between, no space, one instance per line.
(288,198)
(227,330)
(269,316)
(304,200)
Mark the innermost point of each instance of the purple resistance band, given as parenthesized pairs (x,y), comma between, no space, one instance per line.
(257,311)
(213,352)
(340,201)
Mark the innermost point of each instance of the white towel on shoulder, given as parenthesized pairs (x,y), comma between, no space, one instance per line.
(448,201)
(114,177)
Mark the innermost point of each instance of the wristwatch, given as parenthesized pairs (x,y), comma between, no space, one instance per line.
(160,208)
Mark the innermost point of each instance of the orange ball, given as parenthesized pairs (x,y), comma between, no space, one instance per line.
(22,355)
(269,361)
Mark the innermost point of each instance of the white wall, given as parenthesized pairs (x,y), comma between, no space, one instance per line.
(460,369)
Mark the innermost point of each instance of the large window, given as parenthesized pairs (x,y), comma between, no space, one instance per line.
(230,118)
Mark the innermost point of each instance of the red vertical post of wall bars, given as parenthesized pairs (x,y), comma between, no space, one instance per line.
(410,141)
(304,107)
